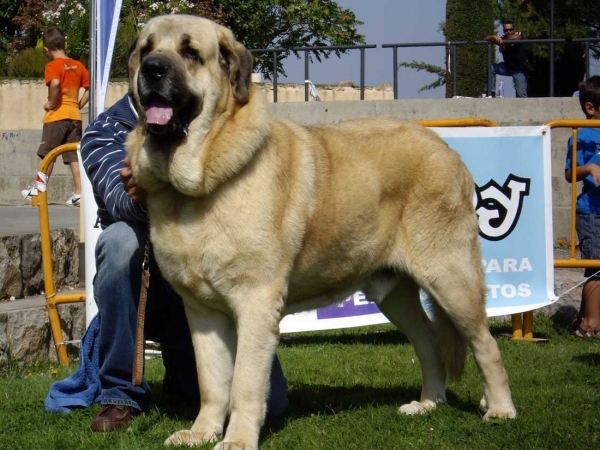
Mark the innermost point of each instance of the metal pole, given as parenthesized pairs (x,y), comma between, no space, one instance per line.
(490,75)
(362,73)
(552,48)
(92,61)
(587,59)
(395,49)
(306,77)
(274,76)
(454,69)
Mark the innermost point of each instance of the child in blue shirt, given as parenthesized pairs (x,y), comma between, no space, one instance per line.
(587,323)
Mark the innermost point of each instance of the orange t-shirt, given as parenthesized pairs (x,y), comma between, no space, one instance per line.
(72,76)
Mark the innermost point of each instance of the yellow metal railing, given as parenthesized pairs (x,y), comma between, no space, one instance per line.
(574,124)
(52,298)
(522,328)
(472,122)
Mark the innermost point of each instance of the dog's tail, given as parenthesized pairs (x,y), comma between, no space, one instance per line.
(452,345)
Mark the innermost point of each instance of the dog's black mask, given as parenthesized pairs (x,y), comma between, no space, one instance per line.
(169,107)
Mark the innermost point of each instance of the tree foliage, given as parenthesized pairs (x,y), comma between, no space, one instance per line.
(8,9)
(256,23)
(29,18)
(261,24)
(572,19)
(468,21)
(135,13)
(431,68)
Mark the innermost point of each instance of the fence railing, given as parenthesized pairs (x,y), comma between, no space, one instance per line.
(451,45)
(307,50)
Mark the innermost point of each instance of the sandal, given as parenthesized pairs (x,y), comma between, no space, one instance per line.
(577,329)
(582,333)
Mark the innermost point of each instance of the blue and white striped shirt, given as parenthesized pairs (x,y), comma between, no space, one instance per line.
(102,154)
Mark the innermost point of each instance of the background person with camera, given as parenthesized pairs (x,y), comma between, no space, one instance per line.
(516,64)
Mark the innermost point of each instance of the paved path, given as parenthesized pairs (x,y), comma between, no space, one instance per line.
(24,219)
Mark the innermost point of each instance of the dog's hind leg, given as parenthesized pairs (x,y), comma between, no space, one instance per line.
(455,280)
(214,340)
(403,308)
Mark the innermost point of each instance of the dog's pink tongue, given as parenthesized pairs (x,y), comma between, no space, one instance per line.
(159,115)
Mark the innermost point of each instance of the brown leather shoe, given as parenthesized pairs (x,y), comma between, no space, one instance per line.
(113,417)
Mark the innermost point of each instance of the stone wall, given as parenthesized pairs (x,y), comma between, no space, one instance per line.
(25,334)
(24,327)
(21,273)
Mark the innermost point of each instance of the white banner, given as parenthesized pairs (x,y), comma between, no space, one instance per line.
(512,198)
(513,201)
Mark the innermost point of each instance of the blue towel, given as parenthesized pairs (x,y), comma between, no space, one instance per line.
(82,388)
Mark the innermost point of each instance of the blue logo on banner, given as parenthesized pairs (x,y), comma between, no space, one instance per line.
(355,305)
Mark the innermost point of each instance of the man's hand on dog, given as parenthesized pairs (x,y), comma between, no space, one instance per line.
(134,191)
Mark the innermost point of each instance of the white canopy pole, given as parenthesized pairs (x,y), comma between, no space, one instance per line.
(104,20)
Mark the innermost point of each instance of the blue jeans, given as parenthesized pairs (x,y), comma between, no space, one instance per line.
(119,256)
(588,232)
(519,78)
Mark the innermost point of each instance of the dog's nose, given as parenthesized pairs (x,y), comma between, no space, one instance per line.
(154,69)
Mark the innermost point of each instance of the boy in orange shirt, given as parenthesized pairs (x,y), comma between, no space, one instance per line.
(62,122)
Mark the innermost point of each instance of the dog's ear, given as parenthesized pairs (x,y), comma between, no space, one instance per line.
(132,62)
(238,62)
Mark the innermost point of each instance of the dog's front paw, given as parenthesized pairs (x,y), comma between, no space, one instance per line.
(414,407)
(228,445)
(189,438)
(507,411)
(483,405)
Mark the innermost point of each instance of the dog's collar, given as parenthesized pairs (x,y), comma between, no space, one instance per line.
(133,110)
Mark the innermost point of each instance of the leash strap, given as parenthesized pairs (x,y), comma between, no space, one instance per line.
(138,357)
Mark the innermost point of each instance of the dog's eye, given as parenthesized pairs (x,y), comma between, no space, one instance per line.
(147,46)
(191,54)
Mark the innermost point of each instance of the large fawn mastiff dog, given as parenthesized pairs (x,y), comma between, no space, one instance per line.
(254,218)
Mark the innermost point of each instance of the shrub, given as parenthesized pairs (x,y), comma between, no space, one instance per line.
(3,65)
(29,63)
(469,21)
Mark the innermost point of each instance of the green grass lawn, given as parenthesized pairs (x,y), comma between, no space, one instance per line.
(345,388)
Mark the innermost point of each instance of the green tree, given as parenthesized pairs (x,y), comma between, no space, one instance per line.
(34,16)
(572,19)
(256,23)
(71,16)
(8,10)
(28,25)
(261,24)
(8,30)
(135,13)
(469,21)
